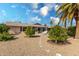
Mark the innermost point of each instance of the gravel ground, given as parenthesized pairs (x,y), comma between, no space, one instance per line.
(37,46)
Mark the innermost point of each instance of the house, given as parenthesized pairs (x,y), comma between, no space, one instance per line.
(17,27)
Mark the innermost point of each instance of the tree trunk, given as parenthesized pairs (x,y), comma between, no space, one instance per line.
(59,22)
(77,28)
(65,24)
(56,41)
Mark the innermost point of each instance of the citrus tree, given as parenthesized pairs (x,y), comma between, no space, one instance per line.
(29,31)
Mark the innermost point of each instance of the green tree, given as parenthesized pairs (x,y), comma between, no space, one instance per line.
(71,30)
(4,35)
(70,11)
(3,28)
(57,33)
(29,31)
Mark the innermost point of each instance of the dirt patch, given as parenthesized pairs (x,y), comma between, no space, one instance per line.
(37,46)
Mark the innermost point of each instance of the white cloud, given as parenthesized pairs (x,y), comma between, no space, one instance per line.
(13,6)
(44,10)
(36,11)
(54,20)
(36,19)
(56,7)
(35,5)
(50,6)
(3,12)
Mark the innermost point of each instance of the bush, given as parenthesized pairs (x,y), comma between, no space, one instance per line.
(58,34)
(3,28)
(71,31)
(5,37)
(29,31)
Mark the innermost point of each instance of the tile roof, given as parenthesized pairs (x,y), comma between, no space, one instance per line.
(23,24)
(15,24)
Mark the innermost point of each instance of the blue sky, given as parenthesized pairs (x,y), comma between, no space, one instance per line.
(28,12)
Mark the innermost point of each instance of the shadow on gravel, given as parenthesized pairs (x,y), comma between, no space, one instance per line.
(33,36)
(59,43)
(6,40)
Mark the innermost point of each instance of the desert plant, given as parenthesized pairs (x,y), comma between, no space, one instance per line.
(71,30)
(3,28)
(57,34)
(29,31)
(6,36)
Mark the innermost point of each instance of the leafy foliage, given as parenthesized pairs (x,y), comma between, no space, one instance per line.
(69,11)
(71,31)
(3,28)
(29,31)
(6,37)
(58,33)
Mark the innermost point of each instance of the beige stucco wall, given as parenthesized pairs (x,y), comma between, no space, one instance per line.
(14,29)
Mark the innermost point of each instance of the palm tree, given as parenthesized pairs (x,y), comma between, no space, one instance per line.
(60,22)
(70,11)
(65,23)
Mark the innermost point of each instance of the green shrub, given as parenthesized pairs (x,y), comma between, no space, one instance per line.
(57,34)
(29,31)
(5,37)
(71,31)
(3,28)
